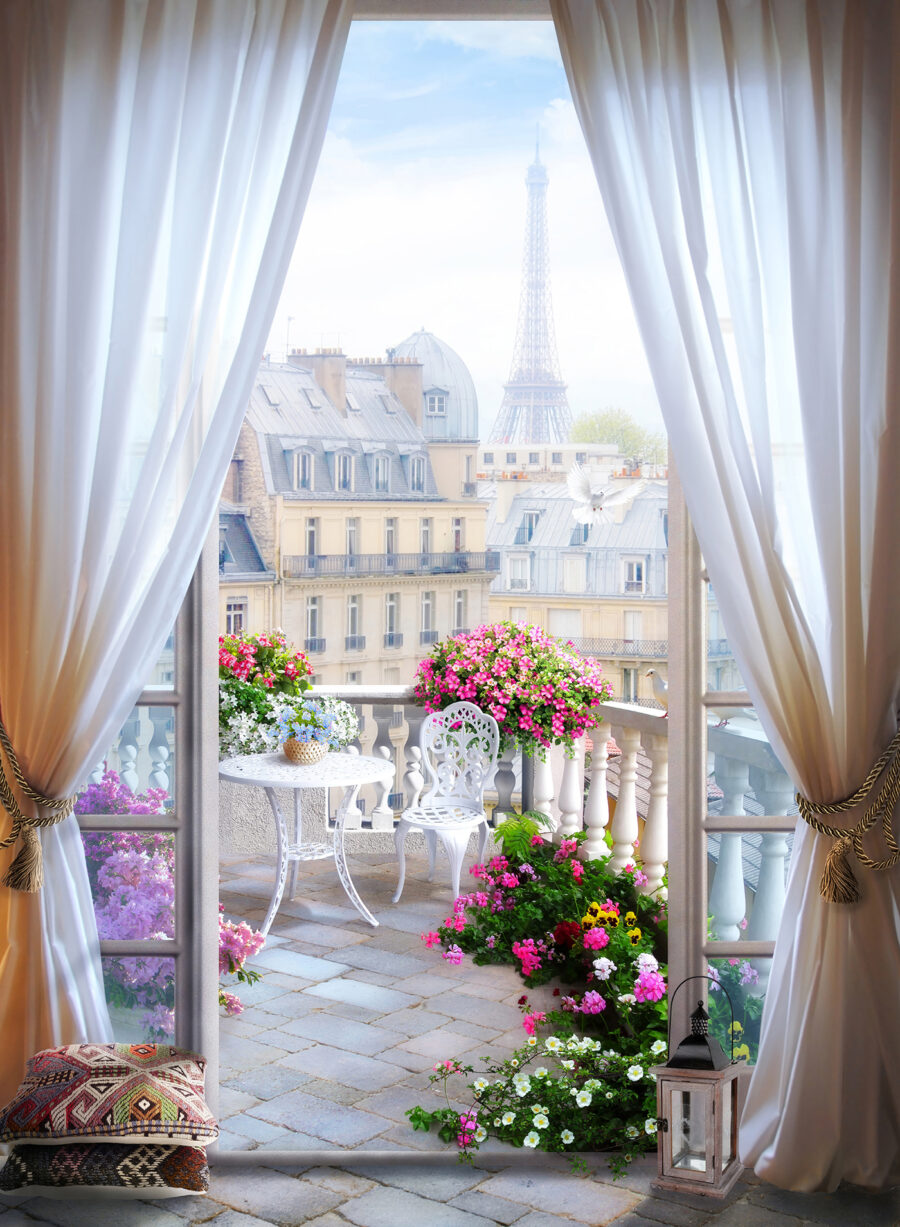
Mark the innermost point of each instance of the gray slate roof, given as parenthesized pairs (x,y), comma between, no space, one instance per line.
(239,556)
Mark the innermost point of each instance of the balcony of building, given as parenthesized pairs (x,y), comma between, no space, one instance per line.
(453,562)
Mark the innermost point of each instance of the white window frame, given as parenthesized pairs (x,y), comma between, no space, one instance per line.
(426,534)
(426,607)
(634,576)
(354,614)
(391,612)
(302,470)
(382,474)
(312,536)
(630,684)
(343,471)
(390,535)
(417,474)
(517,563)
(352,535)
(236,610)
(436,404)
(460,609)
(313,617)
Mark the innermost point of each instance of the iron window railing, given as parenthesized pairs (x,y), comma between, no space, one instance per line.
(354,643)
(393,639)
(314,645)
(300,566)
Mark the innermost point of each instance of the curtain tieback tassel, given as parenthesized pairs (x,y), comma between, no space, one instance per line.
(26,873)
(882,788)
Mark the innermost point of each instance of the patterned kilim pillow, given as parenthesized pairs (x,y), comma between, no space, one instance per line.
(97,1169)
(114,1092)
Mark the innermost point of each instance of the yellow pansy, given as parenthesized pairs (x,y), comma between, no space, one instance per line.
(630,919)
(736,1028)
(635,936)
(741,1051)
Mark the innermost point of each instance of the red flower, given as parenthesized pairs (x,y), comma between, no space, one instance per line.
(565,933)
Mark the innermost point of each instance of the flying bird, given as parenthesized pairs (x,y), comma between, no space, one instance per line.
(591,504)
(660,689)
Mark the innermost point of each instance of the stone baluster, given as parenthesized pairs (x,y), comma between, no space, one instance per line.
(353,817)
(96,776)
(413,776)
(596,810)
(655,841)
(159,750)
(727,903)
(571,792)
(129,740)
(775,793)
(625,820)
(544,792)
(382,814)
(505,783)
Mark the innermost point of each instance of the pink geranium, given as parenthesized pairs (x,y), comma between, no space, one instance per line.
(649,986)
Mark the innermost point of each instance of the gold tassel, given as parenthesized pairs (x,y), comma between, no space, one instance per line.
(26,873)
(838,884)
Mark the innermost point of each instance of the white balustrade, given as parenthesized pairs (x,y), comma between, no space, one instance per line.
(625,819)
(571,793)
(544,790)
(727,902)
(596,810)
(655,840)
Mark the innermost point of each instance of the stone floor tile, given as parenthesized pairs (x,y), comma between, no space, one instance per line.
(373,977)
(316,934)
(348,1009)
(372,997)
(268,1082)
(327,1220)
(237,1056)
(294,964)
(345,1126)
(440,1044)
(236,1218)
(494,1209)
(439,1182)
(371,958)
(384,1207)
(394,1101)
(489,1013)
(272,1196)
(320,911)
(286,1005)
(286,1040)
(425,985)
(366,1038)
(94,1212)
(839,1209)
(350,1068)
(414,1021)
(291,1140)
(254,1128)
(339,1180)
(742,1214)
(562,1193)
(231,1102)
(334,1092)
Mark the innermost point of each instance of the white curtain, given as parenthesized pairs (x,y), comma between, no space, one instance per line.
(748,154)
(155,159)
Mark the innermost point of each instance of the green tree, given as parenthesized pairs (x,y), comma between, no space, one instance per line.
(617,426)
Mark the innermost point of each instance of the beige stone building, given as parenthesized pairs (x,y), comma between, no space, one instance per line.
(350,517)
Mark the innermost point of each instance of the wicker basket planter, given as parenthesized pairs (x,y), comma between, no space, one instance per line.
(305,752)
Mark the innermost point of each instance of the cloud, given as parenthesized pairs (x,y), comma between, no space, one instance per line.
(506,40)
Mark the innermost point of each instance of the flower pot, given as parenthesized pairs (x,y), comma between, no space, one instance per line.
(305,752)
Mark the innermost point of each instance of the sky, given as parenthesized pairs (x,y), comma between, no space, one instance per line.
(416,217)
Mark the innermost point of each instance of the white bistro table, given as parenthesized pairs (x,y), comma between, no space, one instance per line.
(271,771)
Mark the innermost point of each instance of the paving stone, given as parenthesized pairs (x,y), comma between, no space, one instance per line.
(438,1045)
(235,1218)
(272,1196)
(366,1038)
(327,1220)
(562,1193)
(11,1216)
(95,1212)
(268,1082)
(334,936)
(254,1128)
(414,1021)
(438,1182)
(292,1140)
(345,1126)
(231,1101)
(334,1092)
(488,1013)
(370,996)
(339,1181)
(350,1068)
(294,964)
(287,1005)
(370,958)
(677,1213)
(838,1209)
(238,1056)
(633,1219)
(741,1214)
(348,1009)
(393,1102)
(494,1209)
(285,1040)
(383,1207)
(373,977)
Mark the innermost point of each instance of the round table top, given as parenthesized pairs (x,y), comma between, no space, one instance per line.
(276,770)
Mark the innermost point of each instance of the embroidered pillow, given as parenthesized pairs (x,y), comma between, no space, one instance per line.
(113,1092)
(95,1169)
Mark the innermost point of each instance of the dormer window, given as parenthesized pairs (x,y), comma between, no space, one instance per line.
(382,474)
(417,474)
(302,469)
(344,471)
(436,404)
(353,404)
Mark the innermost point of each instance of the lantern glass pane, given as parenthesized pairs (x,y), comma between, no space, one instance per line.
(688,1131)
(726,1124)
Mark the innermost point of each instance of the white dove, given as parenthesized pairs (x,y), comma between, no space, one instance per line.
(591,504)
(660,689)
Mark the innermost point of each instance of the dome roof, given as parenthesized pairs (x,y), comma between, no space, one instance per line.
(443,373)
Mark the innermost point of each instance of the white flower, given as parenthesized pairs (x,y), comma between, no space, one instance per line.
(508,1118)
(531,1041)
(646,962)
(631,1131)
(513,1061)
(480,1084)
(604,967)
(635,1072)
(537,1109)
(627,998)
(522,1089)
(567,1064)
(552,1044)
(541,1121)
(541,1071)
(531,1139)
(567,1137)
(650,1126)
(496,1122)
(657,1047)
(480,1133)
(593,1084)
(609,1094)
(583,1098)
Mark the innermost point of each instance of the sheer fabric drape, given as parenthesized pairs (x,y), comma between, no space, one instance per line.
(748,155)
(155,161)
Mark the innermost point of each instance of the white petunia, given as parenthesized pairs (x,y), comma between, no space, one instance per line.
(635,1072)
(531,1139)
(567,1137)
(627,998)
(604,968)
(583,1098)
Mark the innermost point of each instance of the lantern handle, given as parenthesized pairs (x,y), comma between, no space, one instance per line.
(712,980)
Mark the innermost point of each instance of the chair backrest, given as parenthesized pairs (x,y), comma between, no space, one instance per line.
(459,748)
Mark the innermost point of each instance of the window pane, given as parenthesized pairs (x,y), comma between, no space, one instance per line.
(132,877)
(744,982)
(746,874)
(163,675)
(140,992)
(722,672)
(743,775)
(137,774)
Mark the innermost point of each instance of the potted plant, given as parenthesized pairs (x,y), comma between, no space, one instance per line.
(307,731)
(259,675)
(537,688)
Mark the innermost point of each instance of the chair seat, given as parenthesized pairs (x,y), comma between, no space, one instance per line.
(442,816)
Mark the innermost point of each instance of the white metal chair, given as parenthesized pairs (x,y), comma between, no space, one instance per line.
(459,749)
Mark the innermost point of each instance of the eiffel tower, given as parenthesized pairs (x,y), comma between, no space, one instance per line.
(535,408)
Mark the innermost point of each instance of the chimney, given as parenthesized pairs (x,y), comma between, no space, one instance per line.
(403,377)
(506,492)
(329,368)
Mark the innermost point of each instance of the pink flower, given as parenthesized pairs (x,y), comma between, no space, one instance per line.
(536,841)
(649,986)
(431,939)
(453,955)
(530,1021)
(592,1003)
(577,870)
(596,938)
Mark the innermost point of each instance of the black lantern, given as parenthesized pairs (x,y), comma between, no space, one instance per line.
(697,1104)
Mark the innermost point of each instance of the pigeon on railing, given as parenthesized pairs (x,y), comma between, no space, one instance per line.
(660,689)
(591,504)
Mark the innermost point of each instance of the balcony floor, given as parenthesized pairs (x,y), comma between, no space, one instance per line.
(338,1039)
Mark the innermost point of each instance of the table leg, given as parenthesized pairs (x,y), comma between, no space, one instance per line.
(298,839)
(281,871)
(340,859)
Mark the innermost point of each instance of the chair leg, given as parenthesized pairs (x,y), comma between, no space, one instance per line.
(400,844)
(431,845)
(456,843)
(482,842)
